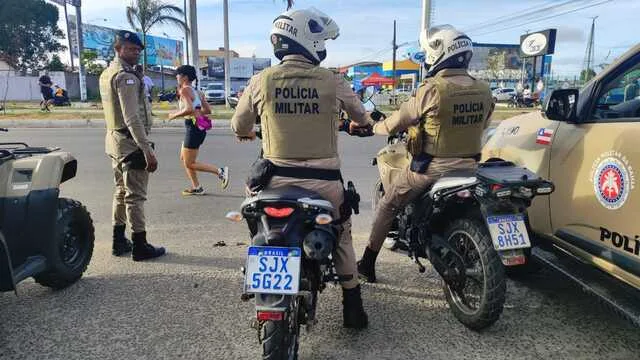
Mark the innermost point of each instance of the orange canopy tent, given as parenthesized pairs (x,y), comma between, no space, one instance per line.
(376,80)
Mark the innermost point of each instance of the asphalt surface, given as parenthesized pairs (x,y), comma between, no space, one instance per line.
(186,305)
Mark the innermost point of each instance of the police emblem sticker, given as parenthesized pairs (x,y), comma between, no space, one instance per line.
(613,178)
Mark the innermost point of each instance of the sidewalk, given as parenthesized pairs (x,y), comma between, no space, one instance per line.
(93,123)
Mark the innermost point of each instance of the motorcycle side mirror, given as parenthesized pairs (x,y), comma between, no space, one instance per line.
(369,106)
(366,93)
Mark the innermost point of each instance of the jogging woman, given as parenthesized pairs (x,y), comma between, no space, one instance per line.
(192,101)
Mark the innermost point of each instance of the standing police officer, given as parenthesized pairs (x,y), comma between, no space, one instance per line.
(445,121)
(298,102)
(128,120)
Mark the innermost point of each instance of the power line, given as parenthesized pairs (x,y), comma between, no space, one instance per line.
(514,16)
(545,18)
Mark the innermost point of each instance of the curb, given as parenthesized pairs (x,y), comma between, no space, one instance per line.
(95,123)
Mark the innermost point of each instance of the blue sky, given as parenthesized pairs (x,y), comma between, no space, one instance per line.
(366,26)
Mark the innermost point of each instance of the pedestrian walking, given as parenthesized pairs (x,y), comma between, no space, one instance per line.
(46,91)
(192,104)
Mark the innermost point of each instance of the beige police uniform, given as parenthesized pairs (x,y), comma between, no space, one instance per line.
(128,120)
(298,104)
(456,109)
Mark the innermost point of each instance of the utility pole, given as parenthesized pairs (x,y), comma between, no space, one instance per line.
(393,73)
(193,34)
(524,62)
(425,25)
(66,19)
(186,32)
(81,75)
(227,75)
(588,56)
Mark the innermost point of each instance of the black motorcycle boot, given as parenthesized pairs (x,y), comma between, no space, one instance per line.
(353,312)
(142,250)
(367,265)
(121,245)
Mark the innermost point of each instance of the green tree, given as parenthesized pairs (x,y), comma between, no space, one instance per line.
(496,64)
(587,74)
(143,15)
(55,64)
(89,58)
(28,32)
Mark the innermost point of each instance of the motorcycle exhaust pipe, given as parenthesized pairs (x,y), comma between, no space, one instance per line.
(318,244)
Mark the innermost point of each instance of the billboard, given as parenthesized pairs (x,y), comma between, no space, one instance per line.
(239,68)
(538,43)
(496,61)
(100,39)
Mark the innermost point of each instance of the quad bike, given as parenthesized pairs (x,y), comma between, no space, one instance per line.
(41,235)
(470,225)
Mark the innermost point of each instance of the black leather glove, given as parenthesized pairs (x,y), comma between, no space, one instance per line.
(361,131)
(344,126)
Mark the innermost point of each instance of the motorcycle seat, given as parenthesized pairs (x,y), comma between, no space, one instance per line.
(290,193)
(453,179)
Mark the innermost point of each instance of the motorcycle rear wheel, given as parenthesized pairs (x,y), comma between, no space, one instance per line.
(280,339)
(484,270)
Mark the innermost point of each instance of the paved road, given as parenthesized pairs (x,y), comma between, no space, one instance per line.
(186,305)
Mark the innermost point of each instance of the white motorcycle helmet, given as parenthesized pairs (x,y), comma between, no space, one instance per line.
(303,32)
(445,47)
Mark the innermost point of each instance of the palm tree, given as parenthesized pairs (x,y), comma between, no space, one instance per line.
(145,14)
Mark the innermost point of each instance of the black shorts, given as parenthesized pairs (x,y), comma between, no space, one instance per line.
(46,92)
(193,137)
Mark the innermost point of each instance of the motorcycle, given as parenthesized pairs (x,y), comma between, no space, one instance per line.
(469,225)
(168,96)
(289,262)
(518,101)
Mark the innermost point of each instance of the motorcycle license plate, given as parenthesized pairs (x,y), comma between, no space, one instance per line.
(508,232)
(273,270)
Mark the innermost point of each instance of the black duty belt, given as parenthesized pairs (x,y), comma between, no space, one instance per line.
(308,173)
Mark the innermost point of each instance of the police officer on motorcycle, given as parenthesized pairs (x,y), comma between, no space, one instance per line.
(444,120)
(297,102)
(128,120)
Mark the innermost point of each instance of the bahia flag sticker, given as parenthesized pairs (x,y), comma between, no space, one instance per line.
(544,136)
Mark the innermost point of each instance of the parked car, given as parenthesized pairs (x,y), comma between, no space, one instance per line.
(214,93)
(585,142)
(503,94)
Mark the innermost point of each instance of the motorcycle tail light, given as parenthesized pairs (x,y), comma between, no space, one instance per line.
(270,315)
(278,212)
(499,190)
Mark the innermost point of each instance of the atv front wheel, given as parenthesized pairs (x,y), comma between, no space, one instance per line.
(480,301)
(69,253)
